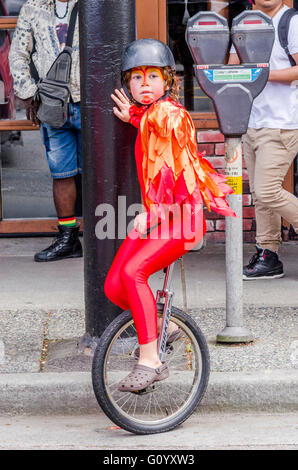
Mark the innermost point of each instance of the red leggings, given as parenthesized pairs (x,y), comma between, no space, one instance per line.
(126,284)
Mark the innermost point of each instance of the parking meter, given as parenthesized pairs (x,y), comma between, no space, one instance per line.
(253,36)
(208,37)
(232,89)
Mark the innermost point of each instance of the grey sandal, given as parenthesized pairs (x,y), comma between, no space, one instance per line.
(174,336)
(142,376)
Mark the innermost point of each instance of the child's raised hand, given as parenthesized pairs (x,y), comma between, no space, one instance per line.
(123,105)
(140,223)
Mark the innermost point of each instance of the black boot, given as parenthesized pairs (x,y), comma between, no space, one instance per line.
(265,264)
(65,245)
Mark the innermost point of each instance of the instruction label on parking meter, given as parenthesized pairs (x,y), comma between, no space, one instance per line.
(236,183)
(240,75)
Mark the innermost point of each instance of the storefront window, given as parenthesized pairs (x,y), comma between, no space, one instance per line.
(26,184)
(26,180)
(178,11)
(13,6)
(3,34)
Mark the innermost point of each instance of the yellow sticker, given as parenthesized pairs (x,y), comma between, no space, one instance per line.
(236,183)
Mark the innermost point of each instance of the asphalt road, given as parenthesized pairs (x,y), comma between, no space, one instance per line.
(222,431)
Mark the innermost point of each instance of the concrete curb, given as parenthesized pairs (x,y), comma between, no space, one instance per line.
(72,393)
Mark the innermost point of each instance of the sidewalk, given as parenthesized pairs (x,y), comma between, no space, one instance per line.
(42,319)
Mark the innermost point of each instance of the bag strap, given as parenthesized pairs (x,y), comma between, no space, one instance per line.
(71,27)
(283,31)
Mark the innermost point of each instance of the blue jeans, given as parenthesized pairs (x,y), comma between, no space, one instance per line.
(63,145)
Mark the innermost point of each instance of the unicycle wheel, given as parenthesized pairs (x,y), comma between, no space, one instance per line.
(164,405)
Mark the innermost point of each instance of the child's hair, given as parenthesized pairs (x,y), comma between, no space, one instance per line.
(171,79)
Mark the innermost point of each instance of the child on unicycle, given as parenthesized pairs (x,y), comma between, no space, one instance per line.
(175,180)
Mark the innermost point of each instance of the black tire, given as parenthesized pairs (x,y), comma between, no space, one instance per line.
(102,394)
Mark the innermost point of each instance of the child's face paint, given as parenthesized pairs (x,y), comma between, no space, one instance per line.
(147,84)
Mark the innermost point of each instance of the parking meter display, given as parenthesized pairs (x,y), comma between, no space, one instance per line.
(235,75)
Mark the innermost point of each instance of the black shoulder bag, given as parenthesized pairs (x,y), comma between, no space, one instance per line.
(53,91)
(283,31)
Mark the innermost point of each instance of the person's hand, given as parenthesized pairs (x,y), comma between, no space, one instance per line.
(31,107)
(140,223)
(123,105)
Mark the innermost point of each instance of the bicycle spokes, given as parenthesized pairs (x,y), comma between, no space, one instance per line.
(162,399)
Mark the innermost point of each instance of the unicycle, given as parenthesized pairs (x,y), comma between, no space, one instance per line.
(163,405)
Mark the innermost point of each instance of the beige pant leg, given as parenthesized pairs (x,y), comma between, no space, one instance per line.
(274,151)
(268,223)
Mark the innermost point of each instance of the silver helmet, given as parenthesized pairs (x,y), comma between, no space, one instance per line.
(147,52)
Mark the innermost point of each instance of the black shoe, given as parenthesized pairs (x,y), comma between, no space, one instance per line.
(264,264)
(65,245)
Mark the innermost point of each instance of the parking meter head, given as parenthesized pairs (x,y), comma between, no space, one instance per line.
(207,35)
(253,36)
(147,52)
(232,89)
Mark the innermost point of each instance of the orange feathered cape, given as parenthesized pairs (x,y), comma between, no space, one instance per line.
(170,168)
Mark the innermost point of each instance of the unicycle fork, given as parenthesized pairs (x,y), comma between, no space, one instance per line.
(167,295)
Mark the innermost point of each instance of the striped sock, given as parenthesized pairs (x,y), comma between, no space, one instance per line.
(67,221)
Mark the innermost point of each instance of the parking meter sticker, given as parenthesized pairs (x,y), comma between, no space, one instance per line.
(230,158)
(224,75)
(256,72)
(236,183)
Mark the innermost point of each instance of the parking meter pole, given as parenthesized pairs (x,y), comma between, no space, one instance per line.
(107,145)
(235,331)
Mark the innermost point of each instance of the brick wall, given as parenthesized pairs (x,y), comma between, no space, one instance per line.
(212,143)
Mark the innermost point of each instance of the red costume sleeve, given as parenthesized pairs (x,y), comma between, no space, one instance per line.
(173,171)
(136,113)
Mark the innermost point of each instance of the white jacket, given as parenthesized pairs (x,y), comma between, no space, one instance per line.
(37,20)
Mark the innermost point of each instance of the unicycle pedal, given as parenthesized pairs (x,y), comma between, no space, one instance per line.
(146,390)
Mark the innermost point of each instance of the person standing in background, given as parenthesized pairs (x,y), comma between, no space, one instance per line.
(40,36)
(270,146)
